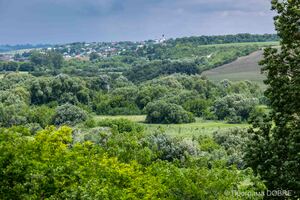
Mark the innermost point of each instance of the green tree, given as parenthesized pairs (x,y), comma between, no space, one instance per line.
(167,113)
(26,66)
(47,59)
(274,150)
(41,115)
(94,56)
(234,108)
(69,114)
(38,58)
(199,107)
(55,59)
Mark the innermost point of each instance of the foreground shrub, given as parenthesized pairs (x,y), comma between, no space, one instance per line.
(167,148)
(167,113)
(50,165)
(45,167)
(234,142)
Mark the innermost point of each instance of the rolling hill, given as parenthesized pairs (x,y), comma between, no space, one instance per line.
(244,68)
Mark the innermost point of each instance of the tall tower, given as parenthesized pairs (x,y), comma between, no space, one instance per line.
(162,38)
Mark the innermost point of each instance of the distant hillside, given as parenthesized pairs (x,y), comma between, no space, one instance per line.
(244,68)
(6,48)
(225,39)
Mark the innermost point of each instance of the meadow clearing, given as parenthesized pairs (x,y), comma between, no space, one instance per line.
(200,127)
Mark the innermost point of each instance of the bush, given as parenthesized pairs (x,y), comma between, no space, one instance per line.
(121,125)
(97,135)
(234,142)
(168,148)
(69,114)
(41,115)
(199,107)
(13,115)
(167,113)
(234,108)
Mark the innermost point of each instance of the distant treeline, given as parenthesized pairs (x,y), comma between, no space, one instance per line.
(5,48)
(224,39)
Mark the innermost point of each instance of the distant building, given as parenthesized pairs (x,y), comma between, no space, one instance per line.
(21,59)
(161,40)
(6,57)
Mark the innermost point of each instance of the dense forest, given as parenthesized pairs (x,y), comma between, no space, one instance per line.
(54,146)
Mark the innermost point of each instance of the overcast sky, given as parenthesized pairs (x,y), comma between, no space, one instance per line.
(62,21)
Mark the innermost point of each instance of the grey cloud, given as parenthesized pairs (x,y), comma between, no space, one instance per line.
(54,21)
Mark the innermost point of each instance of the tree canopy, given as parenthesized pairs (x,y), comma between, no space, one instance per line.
(274,150)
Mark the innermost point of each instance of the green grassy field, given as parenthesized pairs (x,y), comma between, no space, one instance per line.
(194,129)
(200,127)
(134,118)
